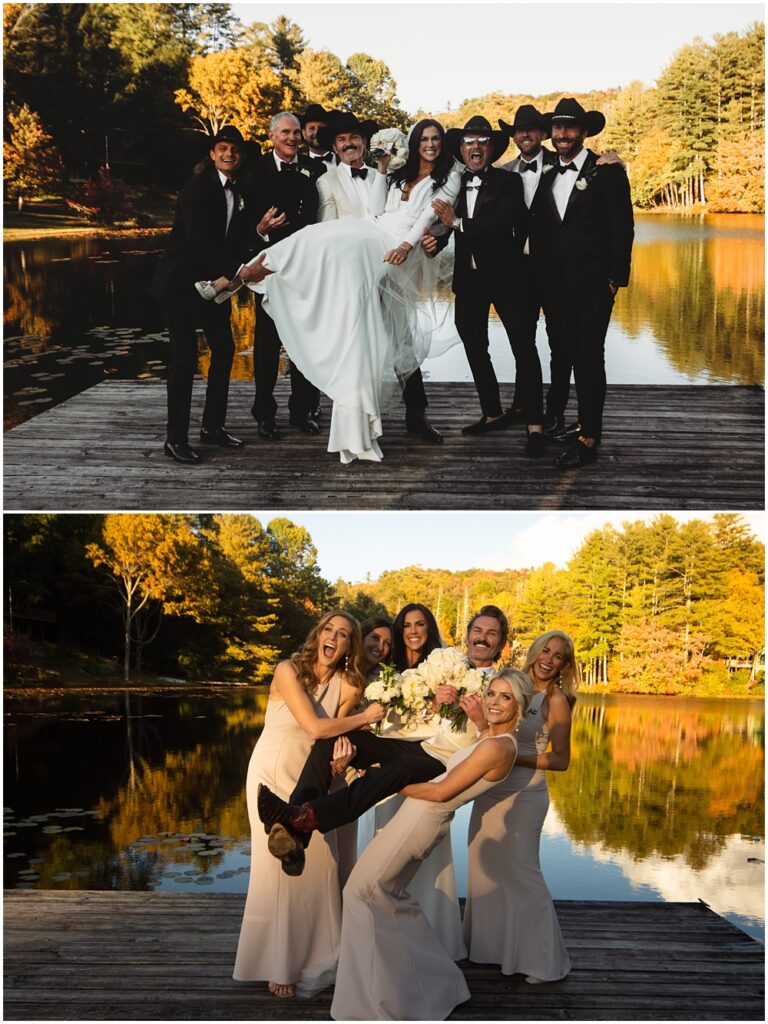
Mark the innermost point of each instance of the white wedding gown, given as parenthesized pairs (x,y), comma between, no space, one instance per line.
(350,322)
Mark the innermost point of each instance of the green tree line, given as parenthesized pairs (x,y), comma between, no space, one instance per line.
(654,607)
(130,86)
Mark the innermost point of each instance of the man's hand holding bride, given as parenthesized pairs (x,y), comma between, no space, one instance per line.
(445,212)
(398,255)
(255,271)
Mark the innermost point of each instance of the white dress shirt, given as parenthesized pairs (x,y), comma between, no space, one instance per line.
(473,185)
(229,196)
(564,183)
(531,181)
(363,186)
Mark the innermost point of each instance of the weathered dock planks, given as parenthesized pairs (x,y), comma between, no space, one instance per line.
(168,956)
(665,447)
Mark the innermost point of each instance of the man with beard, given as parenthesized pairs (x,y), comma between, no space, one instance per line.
(350,190)
(312,121)
(285,200)
(397,761)
(581,235)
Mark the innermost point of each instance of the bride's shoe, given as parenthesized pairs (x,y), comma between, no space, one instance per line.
(205,290)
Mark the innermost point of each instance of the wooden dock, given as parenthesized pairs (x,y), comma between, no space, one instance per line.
(168,956)
(665,447)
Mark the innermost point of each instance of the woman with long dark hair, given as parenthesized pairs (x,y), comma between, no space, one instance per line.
(312,695)
(348,295)
(415,634)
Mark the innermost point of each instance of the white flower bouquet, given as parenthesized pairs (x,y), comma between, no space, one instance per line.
(390,140)
(449,666)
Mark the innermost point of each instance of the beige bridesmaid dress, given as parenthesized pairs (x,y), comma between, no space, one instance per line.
(509,917)
(291,925)
(392,965)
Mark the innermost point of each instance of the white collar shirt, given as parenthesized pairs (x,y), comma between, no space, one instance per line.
(473,186)
(279,163)
(361,185)
(564,184)
(531,181)
(229,198)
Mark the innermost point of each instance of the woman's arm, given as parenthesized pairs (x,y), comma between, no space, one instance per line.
(287,686)
(558,757)
(487,759)
(427,217)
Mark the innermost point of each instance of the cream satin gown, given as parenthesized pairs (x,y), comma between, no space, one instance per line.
(392,965)
(509,917)
(353,324)
(291,925)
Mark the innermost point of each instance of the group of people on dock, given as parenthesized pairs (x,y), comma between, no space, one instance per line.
(347,262)
(381,921)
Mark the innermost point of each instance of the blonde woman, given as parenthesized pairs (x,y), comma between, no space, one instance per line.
(392,965)
(311,696)
(509,918)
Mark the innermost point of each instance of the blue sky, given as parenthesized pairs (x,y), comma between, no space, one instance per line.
(441,53)
(353,544)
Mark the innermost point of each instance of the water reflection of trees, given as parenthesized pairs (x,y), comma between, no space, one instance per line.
(703,298)
(662,776)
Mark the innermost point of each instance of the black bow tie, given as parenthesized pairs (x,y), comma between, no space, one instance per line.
(359,172)
(288,167)
(469,175)
(562,168)
(327,159)
(524,166)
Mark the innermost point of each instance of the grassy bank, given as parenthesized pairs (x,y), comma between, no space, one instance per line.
(52,218)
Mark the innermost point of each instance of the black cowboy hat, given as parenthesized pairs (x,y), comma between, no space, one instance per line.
(229,133)
(477,125)
(345,122)
(571,110)
(528,116)
(316,112)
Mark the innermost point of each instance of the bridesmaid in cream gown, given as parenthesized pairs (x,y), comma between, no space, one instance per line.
(392,966)
(509,918)
(347,295)
(291,926)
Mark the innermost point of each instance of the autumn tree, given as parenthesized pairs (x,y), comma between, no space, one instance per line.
(156,564)
(373,92)
(32,165)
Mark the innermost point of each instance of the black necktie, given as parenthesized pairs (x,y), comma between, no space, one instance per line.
(359,172)
(562,168)
(288,167)
(527,166)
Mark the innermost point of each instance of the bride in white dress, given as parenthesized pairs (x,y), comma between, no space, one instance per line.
(392,965)
(345,295)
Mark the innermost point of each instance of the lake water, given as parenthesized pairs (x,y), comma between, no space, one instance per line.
(78,311)
(664,798)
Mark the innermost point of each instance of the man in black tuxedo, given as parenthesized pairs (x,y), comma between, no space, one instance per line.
(489,223)
(582,229)
(314,119)
(534,163)
(285,200)
(209,240)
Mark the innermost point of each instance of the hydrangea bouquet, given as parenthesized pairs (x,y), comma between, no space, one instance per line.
(449,666)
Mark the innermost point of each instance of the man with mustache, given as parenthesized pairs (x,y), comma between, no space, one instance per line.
(581,234)
(397,761)
(489,222)
(351,190)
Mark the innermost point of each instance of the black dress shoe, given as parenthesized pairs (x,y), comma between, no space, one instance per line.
(534,444)
(513,415)
(316,413)
(267,430)
(567,434)
(305,424)
(181,452)
(483,427)
(553,425)
(579,454)
(221,437)
(424,429)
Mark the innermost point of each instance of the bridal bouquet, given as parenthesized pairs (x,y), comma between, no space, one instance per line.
(449,666)
(390,140)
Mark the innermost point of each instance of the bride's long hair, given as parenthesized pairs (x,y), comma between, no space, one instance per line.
(410,169)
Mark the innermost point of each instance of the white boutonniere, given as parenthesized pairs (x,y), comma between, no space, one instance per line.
(547,168)
(240,204)
(581,184)
(305,172)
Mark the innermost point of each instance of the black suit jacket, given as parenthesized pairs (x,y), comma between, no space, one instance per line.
(495,233)
(294,193)
(592,244)
(201,248)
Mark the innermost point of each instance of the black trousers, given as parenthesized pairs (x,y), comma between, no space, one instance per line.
(266,361)
(577,326)
(401,762)
(529,309)
(415,397)
(472,309)
(184,317)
